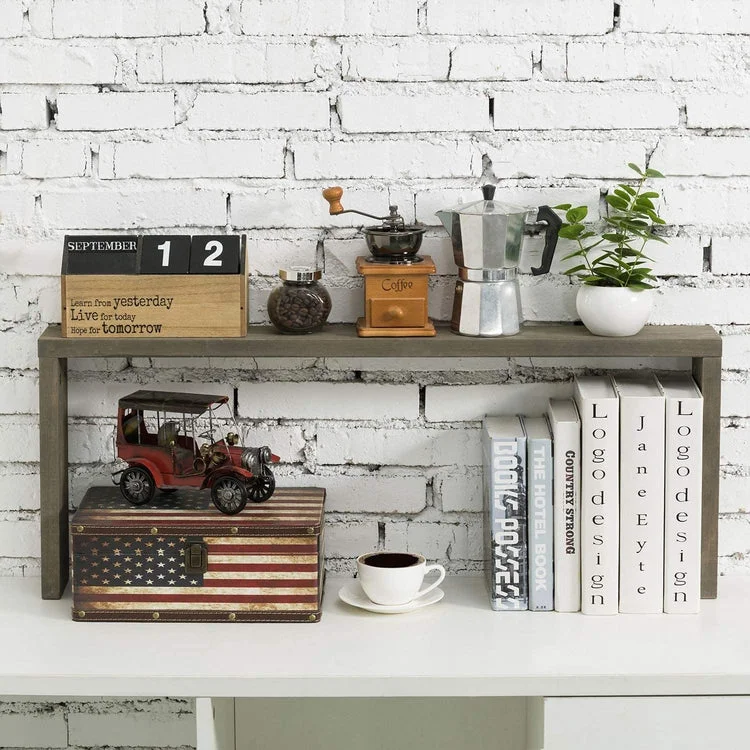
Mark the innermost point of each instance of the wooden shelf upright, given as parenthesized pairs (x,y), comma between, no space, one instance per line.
(700,343)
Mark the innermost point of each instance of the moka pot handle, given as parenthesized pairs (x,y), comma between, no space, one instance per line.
(554,222)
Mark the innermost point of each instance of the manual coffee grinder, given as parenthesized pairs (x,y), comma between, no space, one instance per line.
(396,278)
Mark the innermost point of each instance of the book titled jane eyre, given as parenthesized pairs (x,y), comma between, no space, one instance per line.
(506,550)
(178,559)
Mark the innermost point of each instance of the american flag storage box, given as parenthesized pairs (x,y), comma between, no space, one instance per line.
(179,559)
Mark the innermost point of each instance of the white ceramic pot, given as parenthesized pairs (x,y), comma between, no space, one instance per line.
(614,311)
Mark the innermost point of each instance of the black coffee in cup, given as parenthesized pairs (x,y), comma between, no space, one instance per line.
(391,560)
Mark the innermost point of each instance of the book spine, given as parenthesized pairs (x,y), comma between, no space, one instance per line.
(599,505)
(641,505)
(505,474)
(567,522)
(683,496)
(541,582)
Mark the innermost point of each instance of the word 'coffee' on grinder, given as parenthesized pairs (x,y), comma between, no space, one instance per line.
(396,278)
(487,238)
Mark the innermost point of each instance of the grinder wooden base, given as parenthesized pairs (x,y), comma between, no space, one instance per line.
(364,330)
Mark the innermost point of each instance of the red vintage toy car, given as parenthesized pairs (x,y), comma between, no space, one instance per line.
(168,440)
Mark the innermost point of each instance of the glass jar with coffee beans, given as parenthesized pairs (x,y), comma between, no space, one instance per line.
(301,304)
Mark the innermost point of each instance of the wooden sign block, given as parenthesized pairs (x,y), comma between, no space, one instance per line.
(215,254)
(165,254)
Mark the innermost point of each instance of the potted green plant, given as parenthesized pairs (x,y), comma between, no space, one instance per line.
(616,296)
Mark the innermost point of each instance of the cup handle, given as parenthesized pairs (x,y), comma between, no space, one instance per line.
(434,585)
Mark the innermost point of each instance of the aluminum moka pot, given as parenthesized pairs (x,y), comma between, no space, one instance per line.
(487,238)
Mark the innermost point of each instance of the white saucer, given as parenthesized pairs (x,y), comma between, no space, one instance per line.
(352,594)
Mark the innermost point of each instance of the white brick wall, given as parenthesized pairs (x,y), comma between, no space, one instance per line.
(193,116)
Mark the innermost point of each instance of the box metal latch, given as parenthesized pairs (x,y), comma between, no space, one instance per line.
(196,557)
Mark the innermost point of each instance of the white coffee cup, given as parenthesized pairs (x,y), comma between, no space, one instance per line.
(394,578)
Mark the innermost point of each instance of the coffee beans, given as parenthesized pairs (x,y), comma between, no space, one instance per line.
(299,307)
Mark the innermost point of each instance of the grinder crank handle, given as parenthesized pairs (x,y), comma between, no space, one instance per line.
(554,223)
(333,196)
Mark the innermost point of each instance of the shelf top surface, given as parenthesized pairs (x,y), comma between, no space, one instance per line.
(341,340)
(458,647)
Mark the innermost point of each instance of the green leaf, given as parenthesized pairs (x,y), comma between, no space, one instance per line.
(635,168)
(562,207)
(576,215)
(586,235)
(650,195)
(640,285)
(653,173)
(631,191)
(616,202)
(573,255)
(571,231)
(622,194)
(575,269)
(615,237)
(642,203)
(658,239)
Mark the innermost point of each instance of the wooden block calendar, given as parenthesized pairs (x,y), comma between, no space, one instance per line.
(169,286)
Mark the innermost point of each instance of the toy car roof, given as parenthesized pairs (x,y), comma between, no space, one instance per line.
(190,403)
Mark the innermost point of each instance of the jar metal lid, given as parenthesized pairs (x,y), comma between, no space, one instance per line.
(299,273)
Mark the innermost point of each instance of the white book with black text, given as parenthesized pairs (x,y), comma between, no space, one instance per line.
(566,503)
(506,549)
(641,494)
(683,494)
(539,474)
(599,410)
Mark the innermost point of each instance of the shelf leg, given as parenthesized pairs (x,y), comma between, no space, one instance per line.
(53,474)
(214,724)
(707,373)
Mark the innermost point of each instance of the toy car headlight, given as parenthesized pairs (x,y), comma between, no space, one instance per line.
(254,458)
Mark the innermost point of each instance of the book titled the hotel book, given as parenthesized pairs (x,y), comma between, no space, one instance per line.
(506,550)
(682,494)
(599,410)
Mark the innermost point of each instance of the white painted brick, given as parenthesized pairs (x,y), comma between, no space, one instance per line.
(90,442)
(18,350)
(554,61)
(282,111)
(459,492)
(506,17)
(437,541)
(33,62)
(267,257)
(19,537)
(23,111)
(715,203)
(410,447)
(46,158)
(93,399)
(346,18)
(19,394)
(675,59)
(707,155)
(734,495)
(20,439)
(736,352)
(717,110)
(453,403)
(729,255)
(34,729)
(19,491)
(552,110)
(350,540)
(126,18)
(735,398)
(695,306)
(11,11)
(327,401)
(388,159)
(12,152)
(401,113)
(115,111)
(223,62)
(133,208)
(279,207)
(138,729)
(551,157)
(734,535)
(482,61)
(374,493)
(285,442)
(396,61)
(206,158)
(687,16)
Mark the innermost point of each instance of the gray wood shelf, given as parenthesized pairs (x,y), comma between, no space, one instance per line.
(699,343)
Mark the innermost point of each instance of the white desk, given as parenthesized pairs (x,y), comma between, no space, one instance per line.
(458,647)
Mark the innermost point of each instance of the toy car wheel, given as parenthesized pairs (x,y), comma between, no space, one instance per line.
(229,495)
(261,486)
(137,485)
